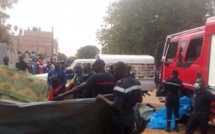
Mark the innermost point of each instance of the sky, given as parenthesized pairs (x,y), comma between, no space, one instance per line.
(75,22)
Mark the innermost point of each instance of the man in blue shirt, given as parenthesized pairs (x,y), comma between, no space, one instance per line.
(56,81)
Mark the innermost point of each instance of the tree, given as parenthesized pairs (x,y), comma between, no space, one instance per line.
(4,29)
(87,52)
(72,58)
(15,28)
(61,56)
(135,26)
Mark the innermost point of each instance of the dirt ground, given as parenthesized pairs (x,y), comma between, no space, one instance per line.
(154,101)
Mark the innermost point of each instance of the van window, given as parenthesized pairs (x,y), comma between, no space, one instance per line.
(194,49)
(82,65)
(142,71)
(171,52)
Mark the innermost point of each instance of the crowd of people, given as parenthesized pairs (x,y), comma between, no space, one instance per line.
(86,84)
(35,66)
(38,64)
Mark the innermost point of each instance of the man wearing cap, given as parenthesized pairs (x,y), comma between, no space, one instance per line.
(56,81)
(100,83)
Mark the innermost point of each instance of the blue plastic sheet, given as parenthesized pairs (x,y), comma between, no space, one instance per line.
(158,119)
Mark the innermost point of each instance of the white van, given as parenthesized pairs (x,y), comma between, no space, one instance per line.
(142,66)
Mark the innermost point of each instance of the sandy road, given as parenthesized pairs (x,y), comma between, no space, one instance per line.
(154,101)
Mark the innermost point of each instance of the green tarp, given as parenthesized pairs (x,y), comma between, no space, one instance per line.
(81,116)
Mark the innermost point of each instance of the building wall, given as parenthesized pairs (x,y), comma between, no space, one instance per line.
(3,52)
(38,41)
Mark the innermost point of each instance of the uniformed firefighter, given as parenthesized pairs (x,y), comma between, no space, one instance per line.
(99,83)
(127,92)
(172,87)
(201,108)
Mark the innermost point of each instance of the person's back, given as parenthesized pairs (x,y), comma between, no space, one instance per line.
(130,88)
(101,83)
(173,86)
(22,65)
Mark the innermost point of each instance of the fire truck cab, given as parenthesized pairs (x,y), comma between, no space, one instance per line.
(192,53)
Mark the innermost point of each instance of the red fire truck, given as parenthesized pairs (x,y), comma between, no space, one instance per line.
(192,53)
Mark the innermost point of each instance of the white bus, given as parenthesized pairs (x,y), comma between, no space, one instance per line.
(141,65)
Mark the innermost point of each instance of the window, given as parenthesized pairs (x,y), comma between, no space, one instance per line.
(78,64)
(194,49)
(142,71)
(182,47)
(171,52)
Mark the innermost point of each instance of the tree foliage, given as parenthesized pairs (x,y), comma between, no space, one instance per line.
(87,52)
(61,56)
(135,26)
(4,29)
